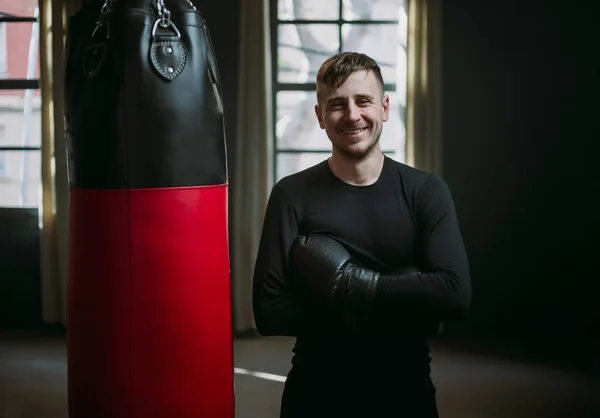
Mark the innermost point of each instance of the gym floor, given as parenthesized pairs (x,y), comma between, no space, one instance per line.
(470,385)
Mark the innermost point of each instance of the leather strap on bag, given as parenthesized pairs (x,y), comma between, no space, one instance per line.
(167,53)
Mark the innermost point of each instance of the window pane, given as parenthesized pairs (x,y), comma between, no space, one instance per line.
(398,156)
(393,135)
(20,8)
(290,163)
(308,9)
(297,125)
(19,49)
(302,49)
(20,118)
(381,42)
(372,9)
(20,178)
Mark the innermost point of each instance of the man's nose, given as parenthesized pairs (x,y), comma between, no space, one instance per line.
(352,111)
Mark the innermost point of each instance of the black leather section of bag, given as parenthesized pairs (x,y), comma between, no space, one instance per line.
(143,111)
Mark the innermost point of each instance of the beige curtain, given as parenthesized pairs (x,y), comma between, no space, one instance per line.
(54,16)
(252,167)
(424,85)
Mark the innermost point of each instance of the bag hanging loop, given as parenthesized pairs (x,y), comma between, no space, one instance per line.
(167,53)
(169,25)
(164,19)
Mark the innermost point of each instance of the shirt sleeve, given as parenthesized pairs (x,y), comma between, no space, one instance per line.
(276,310)
(442,290)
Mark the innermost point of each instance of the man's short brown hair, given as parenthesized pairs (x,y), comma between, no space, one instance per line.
(336,69)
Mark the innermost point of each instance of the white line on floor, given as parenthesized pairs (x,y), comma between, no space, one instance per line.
(260,375)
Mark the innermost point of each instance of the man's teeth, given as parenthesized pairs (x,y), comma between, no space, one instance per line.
(354,131)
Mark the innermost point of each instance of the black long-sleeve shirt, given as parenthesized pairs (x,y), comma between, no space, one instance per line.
(406,218)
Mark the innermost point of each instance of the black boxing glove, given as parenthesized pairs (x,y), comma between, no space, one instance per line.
(324,271)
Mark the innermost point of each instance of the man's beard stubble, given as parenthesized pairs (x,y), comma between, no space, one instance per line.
(360,155)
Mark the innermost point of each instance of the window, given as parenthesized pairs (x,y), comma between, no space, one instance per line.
(304,34)
(20,104)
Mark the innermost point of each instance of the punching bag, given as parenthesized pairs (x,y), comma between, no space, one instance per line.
(148,316)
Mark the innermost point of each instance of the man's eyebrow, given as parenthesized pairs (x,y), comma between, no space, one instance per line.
(365,96)
(336,99)
(343,99)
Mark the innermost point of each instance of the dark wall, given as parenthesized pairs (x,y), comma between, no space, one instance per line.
(20,287)
(518,125)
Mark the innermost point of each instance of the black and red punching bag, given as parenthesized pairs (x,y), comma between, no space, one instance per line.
(148,318)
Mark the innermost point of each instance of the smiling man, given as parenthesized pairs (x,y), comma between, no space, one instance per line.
(361,258)
(352,109)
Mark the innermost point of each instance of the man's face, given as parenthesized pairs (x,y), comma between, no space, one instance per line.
(353,114)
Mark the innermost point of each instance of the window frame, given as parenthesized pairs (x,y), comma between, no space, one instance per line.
(306,87)
(17,83)
(3,50)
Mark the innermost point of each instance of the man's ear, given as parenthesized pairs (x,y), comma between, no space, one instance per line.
(386,108)
(319,116)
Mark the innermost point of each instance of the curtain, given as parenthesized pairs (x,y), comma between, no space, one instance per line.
(252,162)
(54,16)
(424,85)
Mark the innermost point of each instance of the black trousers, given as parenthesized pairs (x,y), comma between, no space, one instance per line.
(319,392)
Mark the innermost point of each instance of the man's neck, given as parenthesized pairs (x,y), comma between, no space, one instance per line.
(357,173)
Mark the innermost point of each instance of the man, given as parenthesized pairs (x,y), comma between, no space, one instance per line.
(361,258)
